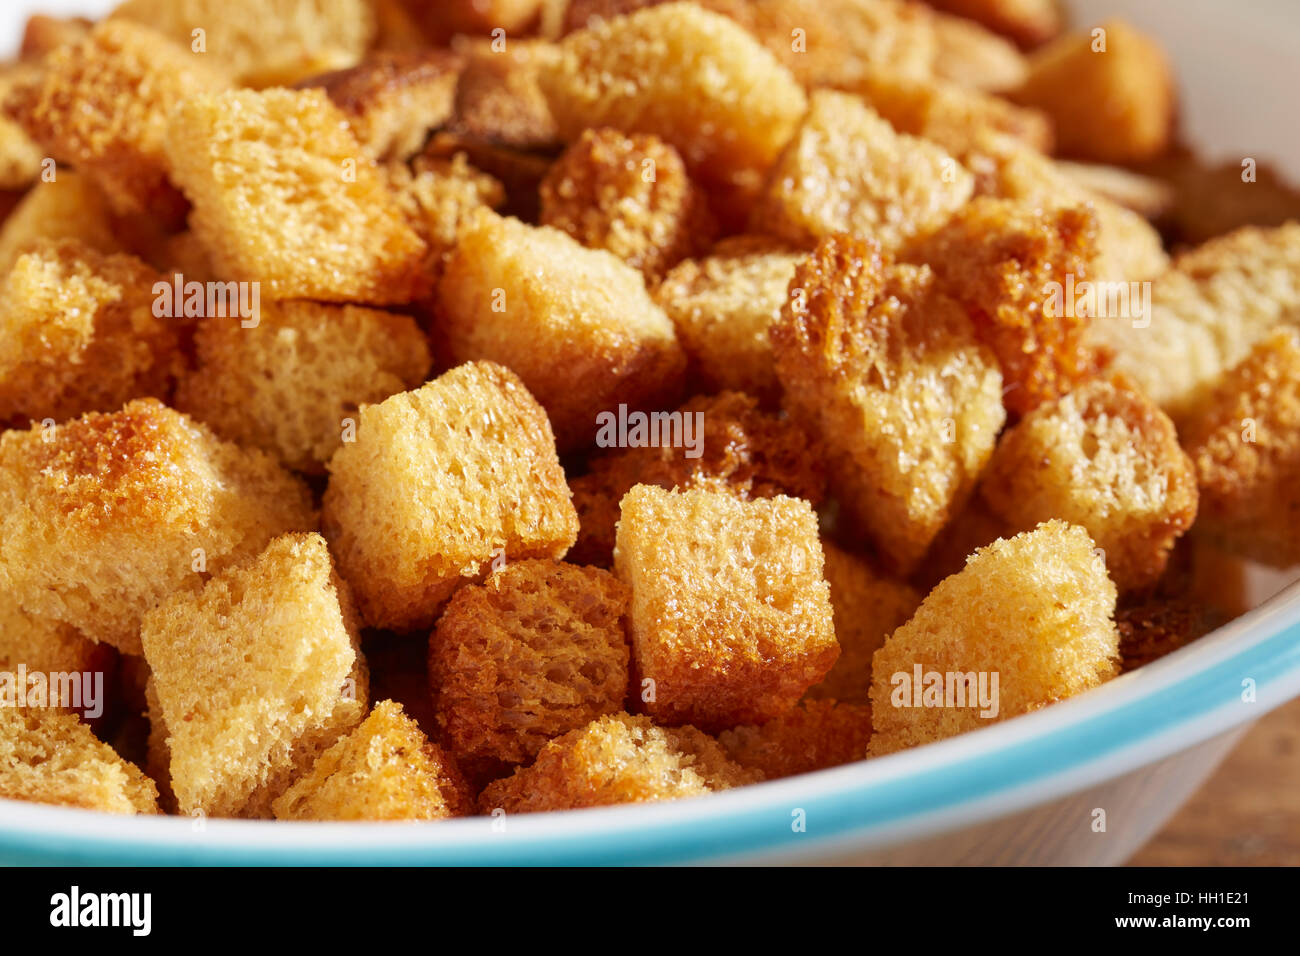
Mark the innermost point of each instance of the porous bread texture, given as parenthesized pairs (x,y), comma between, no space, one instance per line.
(439,196)
(101,104)
(284,196)
(1035,609)
(499,98)
(1028,22)
(256,675)
(292,384)
(629,195)
(813,736)
(439,481)
(742,450)
(47,647)
(539,649)
(730,617)
(78,334)
(617,759)
(886,371)
(722,305)
(385,769)
(49,757)
(576,325)
(104,516)
(845,170)
(1244,438)
(70,206)
(867,607)
(264,42)
(1103,457)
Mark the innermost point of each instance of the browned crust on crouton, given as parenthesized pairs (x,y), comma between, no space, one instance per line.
(815,735)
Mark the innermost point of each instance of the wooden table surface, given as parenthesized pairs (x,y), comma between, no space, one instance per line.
(1248,813)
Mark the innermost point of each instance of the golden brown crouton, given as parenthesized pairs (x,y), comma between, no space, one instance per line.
(886,371)
(734,447)
(284,196)
(101,105)
(104,516)
(1207,201)
(1109,91)
(629,195)
(730,617)
(868,606)
(1159,626)
(385,769)
(846,170)
(439,196)
(575,324)
(78,333)
(973,56)
(537,650)
(438,482)
(1103,457)
(70,206)
(292,384)
(1032,613)
(1028,22)
(20,158)
(42,34)
(48,757)
(1244,438)
(815,735)
(50,648)
(256,675)
(617,759)
(499,98)
(520,172)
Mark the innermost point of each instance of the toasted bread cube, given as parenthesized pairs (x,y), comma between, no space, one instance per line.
(846,170)
(722,305)
(613,760)
(730,617)
(1028,22)
(732,446)
(284,196)
(48,757)
(1109,91)
(537,650)
(1103,457)
(629,195)
(385,769)
(292,384)
(1244,438)
(499,97)
(1159,626)
(78,334)
(815,735)
(695,79)
(1033,612)
(973,56)
(867,607)
(439,196)
(575,324)
(1203,201)
(439,481)
(886,371)
(264,42)
(70,206)
(20,158)
(104,516)
(57,652)
(102,104)
(256,676)
(43,34)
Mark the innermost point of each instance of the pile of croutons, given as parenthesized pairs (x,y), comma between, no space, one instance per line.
(420,409)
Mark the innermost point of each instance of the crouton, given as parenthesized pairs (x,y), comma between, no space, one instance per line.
(1244,438)
(257,675)
(1033,612)
(264,42)
(1208,201)
(617,759)
(48,757)
(886,371)
(722,305)
(1103,457)
(43,34)
(629,195)
(20,158)
(385,769)
(537,650)
(50,648)
(973,527)
(1153,628)
(70,206)
(733,446)
(973,56)
(575,324)
(1028,22)
(104,516)
(499,98)
(445,19)
(101,105)
(284,196)
(519,171)
(867,607)
(291,384)
(730,617)
(815,735)
(846,170)
(440,481)
(689,76)
(439,196)
(1109,91)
